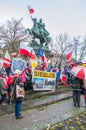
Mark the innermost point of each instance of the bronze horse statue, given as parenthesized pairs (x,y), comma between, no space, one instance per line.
(38,31)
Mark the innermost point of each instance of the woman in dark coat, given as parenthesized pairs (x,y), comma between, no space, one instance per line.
(76,84)
(18,93)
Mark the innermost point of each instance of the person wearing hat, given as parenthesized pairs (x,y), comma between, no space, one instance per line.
(18,93)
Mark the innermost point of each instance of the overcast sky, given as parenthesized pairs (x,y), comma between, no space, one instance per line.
(59,16)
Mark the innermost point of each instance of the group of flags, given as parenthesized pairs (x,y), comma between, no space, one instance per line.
(24,50)
(29,51)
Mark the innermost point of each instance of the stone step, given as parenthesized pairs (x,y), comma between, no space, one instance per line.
(38,94)
(37,103)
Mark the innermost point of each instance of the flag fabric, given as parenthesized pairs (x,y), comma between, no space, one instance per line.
(40,52)
(33,56)
(14,54)
(31,10)
(25,50)
(7,60)
(45,61)
(43,57)
(79,72)
(69,55)
(64,80)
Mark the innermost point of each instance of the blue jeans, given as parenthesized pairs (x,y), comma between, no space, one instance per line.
(18,105)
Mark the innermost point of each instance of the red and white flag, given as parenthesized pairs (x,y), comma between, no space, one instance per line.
(64,80)
(44,59)
(31,10)
(25,49)
(14,54)
(33,56)
(69,54)
(7,59)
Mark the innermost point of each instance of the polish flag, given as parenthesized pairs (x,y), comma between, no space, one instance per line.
(14,54)
(69,54)
(33,56)
(7,59)
(64,80)
(31,10)
(43,57)
(25,50)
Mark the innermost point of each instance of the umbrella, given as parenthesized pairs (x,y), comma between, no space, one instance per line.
(79,72)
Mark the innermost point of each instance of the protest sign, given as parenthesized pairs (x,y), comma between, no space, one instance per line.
(18,64)
(44,80)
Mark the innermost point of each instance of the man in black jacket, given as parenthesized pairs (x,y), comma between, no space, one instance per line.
(76,84)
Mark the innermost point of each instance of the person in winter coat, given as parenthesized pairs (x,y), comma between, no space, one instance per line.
(10,80)
(18,93)
(76,84)
(3,89)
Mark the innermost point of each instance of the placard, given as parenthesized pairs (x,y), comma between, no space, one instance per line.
(18,64)
(44,80)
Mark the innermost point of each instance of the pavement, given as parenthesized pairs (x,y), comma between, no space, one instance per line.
(37,102)
(41,117)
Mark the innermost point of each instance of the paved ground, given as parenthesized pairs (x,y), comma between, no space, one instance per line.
(34,103)
(39,118)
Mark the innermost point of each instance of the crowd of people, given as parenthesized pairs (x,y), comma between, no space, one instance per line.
(9,82)
(15,84)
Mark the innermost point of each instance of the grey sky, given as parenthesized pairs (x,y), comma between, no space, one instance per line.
(59,16)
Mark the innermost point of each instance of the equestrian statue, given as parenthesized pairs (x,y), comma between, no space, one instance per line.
(39,32)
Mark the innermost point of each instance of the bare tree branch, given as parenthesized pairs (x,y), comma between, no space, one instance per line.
(12,34)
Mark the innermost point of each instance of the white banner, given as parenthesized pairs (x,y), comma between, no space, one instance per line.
(44,80)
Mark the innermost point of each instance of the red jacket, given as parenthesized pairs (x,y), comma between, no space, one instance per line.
(10,79)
